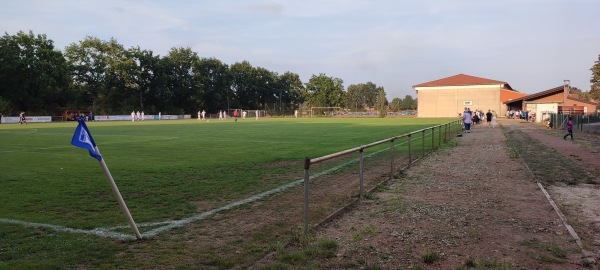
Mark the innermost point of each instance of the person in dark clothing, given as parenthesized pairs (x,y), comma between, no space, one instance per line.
(488,118)
(569,128)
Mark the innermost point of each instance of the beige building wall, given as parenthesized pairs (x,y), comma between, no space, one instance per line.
(449,101)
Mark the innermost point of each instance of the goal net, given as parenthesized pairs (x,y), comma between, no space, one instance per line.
(247,113)
(324,111)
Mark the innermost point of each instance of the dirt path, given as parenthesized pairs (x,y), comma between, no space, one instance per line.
(475,206)
(581,203)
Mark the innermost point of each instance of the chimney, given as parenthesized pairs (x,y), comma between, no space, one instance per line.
(566,89)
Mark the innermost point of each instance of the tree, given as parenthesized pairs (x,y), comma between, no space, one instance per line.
(354,98)
(102,71)
(324,91)
(34,76)
(363,95)
(395,104)
(144,75)
(288,90)
(184,80)
(215,78)
(408,103)
(595,80)
(243,84)
(381,103)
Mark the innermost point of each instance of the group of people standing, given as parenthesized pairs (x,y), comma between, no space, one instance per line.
(519,114)
(470,117)
(491,117)
(202,115)
(137,116)
(223,115)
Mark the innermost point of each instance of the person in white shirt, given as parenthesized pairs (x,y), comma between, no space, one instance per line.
(203,115)
(199,116)
(467,120)
(143,117)
(137,115)
(132,116)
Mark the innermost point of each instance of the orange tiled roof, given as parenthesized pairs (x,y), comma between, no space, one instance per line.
(459,80)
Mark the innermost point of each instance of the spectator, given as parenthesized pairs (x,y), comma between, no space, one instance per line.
(569,128)
(467,120)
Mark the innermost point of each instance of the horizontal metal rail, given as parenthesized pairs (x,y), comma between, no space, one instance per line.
(450,127)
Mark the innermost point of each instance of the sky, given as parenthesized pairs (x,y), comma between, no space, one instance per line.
(531,44)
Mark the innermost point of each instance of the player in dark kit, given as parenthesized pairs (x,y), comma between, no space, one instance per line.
(22,118)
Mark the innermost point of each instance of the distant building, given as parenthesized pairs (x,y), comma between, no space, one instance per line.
(555,100)
(449,96)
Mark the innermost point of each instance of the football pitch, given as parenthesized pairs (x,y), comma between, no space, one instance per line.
(165,170)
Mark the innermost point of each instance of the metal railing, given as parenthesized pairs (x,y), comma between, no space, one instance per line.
(448,130)
(559,120)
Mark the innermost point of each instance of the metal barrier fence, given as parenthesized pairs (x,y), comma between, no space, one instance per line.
(559,120)
(427,139)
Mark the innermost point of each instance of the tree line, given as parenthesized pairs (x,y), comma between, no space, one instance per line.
(105,77)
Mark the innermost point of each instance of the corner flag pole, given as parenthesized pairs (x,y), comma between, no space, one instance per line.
(83,139)
(115,190)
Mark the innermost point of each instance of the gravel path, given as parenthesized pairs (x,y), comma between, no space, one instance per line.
(476,205)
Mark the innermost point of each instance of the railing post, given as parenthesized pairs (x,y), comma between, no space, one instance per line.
(432,139)
(409,149)
(361,173)
(440,137)
(306,180)
(446,132)
(423,144)
(392,163)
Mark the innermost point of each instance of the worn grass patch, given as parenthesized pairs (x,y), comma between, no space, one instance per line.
(547,165)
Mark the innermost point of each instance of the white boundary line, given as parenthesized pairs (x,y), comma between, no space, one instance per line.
(562,217)
(167,225)
(557,210)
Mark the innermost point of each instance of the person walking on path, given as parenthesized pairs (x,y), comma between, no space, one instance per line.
(494,120)
(569,128)
(467,120)
(488,118)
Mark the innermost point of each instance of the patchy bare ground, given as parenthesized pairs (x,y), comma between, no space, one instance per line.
(473,206)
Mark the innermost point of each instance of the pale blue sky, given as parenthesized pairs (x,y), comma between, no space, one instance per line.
(531,44)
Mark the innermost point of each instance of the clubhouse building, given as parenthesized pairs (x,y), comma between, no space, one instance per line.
(449,96)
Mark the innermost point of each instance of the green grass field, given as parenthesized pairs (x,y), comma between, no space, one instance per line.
(165,170)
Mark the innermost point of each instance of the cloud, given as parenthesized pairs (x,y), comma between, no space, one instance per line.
(532,44)
(267,7)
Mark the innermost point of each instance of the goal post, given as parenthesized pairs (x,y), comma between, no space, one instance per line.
(248,113)
(324,111)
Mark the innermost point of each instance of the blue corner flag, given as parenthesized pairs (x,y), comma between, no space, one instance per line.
(83,138)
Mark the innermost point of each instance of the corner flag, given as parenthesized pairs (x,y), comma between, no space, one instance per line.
(83,138)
